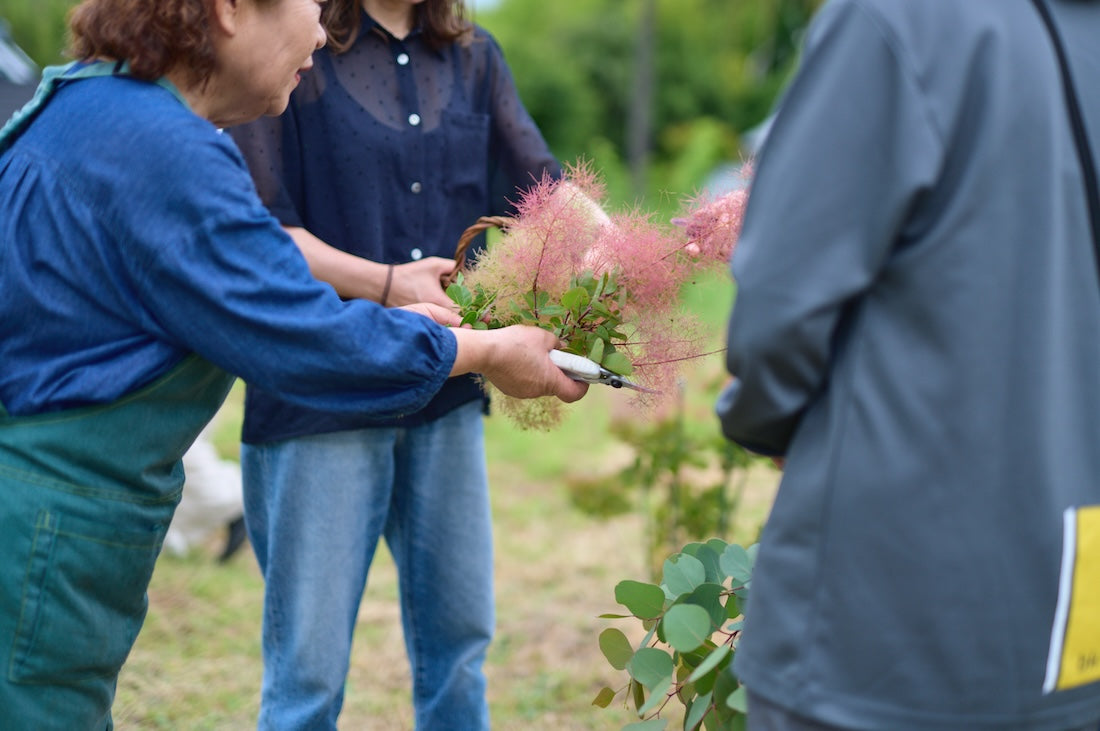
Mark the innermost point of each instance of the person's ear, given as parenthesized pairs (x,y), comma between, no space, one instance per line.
(226,15)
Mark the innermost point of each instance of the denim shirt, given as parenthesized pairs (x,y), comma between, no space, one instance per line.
(390,151)
(132,236)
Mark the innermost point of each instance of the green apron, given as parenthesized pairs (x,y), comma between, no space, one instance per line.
(86,496)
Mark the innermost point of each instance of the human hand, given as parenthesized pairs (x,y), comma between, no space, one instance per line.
(441,315)
(516,359)
(419,281)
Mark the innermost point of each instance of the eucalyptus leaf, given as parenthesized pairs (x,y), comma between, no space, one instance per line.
(686,626)
(738,700)
(737,563)
(616,648)
(657,695)
(698,709)
(650,666)
(713,659)
(709,597)
(683,573)
(643,600)
(653,724)
(710,560)
(604,697)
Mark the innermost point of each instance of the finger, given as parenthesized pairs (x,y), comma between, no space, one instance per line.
(571,390)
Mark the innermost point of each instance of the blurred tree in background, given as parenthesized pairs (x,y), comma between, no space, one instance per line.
(655,92)
(39,27)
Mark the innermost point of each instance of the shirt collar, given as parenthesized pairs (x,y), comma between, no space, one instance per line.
(370,25)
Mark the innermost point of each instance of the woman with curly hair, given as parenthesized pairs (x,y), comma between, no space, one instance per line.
(139,272)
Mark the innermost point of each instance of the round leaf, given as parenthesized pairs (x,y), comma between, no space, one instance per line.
(709,597)
(683,573)
(616,648)
(687,626)
(737,563)
(650,667)
(644,601)
(710,560)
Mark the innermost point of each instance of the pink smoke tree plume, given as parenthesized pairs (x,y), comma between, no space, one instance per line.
(609,285)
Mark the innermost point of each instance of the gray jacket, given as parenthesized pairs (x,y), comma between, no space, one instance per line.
(917,328)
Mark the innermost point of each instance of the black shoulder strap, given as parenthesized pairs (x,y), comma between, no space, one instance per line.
(1080,134)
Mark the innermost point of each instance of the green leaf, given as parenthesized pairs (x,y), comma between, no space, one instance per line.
(595,351)
(637,693)
(717,544)
(644,601)
(650,666)
(709,597)
(616,648)
(575,300)
(460,295)
(683,573)
(552,310)
(600,309)
(710,560)
(738,700)
(598,291)
(617,363)
(686,626)
(653,724)
(604,697)
(657,695)
(737,563)
(698,709)
(713,659)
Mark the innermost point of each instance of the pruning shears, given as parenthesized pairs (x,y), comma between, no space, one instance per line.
(584,369)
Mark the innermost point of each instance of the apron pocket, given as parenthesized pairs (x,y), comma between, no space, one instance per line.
(84,599)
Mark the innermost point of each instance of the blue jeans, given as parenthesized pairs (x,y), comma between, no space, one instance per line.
(315,508)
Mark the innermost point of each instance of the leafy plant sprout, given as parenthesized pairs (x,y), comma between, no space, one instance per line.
(607,285)
(693,621)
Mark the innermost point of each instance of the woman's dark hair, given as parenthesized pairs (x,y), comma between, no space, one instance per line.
(153,35)
(441,21)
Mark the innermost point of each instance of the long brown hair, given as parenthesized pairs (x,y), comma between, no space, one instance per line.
(155,36)
(441,21)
